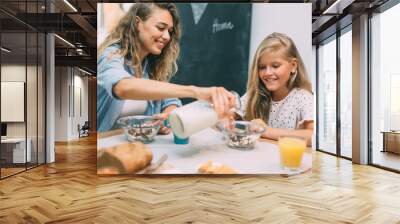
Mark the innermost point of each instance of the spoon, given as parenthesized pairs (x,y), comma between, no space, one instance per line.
(237,110)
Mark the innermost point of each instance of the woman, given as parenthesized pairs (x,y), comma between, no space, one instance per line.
(278,91)
(135,63)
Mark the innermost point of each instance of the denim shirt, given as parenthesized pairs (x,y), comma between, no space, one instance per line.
(111,68)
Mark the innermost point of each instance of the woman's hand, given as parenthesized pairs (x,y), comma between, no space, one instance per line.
(219,97)
(164,130)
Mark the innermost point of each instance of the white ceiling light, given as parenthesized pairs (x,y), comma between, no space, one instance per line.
(5,49)
(84,71)
(337,7)
(70,5)
(64,40)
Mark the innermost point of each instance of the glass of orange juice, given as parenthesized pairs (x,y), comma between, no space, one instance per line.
(291,150)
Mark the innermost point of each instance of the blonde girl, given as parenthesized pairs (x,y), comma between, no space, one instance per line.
(278,90)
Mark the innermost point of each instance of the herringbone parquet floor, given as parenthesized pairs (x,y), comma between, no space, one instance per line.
(69,191)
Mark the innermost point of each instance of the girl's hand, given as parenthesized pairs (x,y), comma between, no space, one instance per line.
(260,122)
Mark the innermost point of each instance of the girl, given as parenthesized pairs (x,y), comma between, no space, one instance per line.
(135,63)
(278,91)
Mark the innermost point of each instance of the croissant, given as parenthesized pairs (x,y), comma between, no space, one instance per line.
(209,168)
(124,158)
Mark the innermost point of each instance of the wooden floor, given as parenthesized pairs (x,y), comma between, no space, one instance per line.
(69,191)
(10,171)
(5,172)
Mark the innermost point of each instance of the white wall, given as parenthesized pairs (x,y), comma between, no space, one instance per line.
(13,72)
(61,103)
(12,101)
(82,82)
(79,117)
(67,115)
(293,19)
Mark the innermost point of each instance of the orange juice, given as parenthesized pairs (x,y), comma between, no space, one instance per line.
(291,149)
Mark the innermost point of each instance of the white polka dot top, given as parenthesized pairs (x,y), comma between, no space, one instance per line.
(290,112)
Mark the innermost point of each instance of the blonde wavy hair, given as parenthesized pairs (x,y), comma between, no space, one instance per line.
(162,67)
(259,97)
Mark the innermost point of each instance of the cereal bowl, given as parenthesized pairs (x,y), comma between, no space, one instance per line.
(242,134)
(140,128)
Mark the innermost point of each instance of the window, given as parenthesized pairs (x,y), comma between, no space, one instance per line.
(327,96)
(346,92)
(385,88)
(22,67)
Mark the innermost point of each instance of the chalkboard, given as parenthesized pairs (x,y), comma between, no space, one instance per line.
(214,45)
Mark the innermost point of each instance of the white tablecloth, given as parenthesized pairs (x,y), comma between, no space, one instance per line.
(209,145)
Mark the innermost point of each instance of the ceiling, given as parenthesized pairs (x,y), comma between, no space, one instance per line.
(332,15)
(77,24)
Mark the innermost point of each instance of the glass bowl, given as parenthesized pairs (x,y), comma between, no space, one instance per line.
(140,128)
(241,134)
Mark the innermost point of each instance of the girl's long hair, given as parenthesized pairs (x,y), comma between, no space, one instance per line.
(258,96)
(162,67)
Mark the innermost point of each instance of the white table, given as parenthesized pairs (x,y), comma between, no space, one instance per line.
(18,149)
(209,145)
